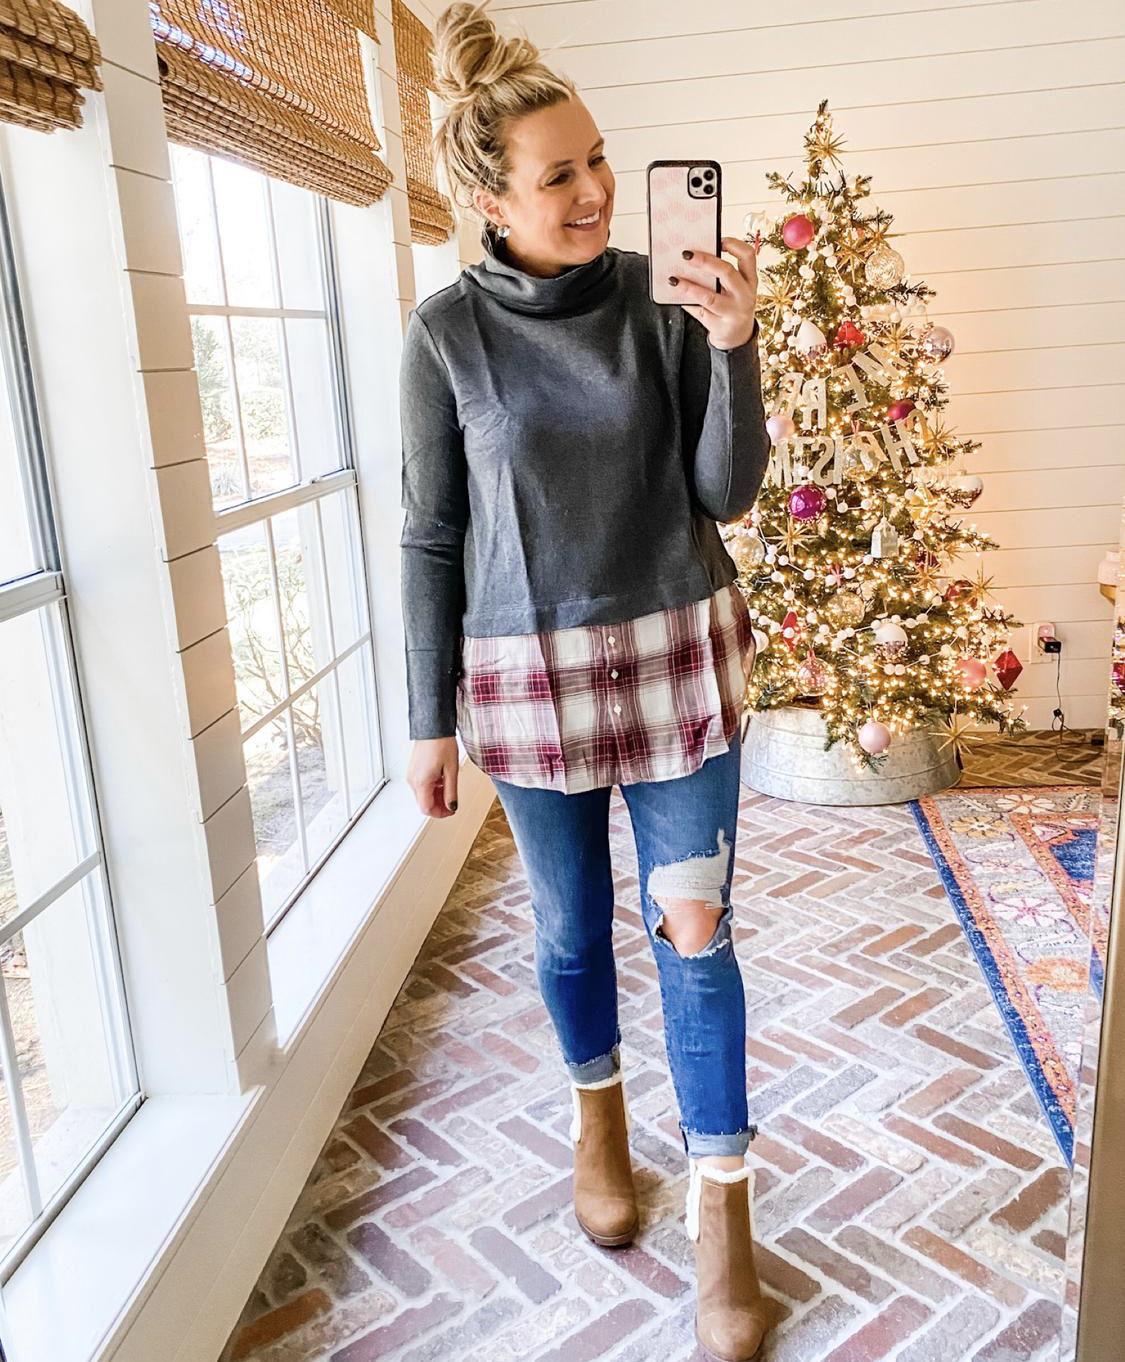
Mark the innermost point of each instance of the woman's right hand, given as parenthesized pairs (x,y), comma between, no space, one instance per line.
(431,773)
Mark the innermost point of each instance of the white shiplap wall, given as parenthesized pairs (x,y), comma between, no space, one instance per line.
(995,134)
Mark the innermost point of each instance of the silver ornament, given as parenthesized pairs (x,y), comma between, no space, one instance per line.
(937,344)
(747,550)
(884,268)
(964,490)
(847,608)
(890,641)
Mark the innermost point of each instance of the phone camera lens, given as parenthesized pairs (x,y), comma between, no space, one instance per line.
(708,174)
(695,181)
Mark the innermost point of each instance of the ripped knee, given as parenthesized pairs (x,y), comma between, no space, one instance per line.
(691,891)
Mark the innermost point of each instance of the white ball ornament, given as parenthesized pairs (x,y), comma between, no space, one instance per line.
(874,737)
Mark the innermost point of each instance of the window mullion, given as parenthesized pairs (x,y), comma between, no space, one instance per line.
(30,455)
(232,368)
(275,713)
(275,503)
(21,1130)
(287,372)
(29,593)
(335,661)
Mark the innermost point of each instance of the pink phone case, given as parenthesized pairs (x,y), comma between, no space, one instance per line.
(679,219)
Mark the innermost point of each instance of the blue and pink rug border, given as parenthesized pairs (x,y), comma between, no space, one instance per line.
(1057,1118)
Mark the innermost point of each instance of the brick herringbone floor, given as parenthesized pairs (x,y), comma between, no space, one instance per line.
(910,1199)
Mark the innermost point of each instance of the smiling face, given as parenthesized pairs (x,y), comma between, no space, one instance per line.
(559,175)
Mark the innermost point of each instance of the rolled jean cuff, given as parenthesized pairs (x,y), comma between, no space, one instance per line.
(593,1070)
(697,1143)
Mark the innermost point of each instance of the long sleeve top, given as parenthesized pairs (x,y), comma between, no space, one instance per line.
(568,447)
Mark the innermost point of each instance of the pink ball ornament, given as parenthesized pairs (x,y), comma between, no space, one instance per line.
(797,232)
(900,410)
(874,737)
(812,676)
(780,427)
(972,672)
(807,502)
(937,344)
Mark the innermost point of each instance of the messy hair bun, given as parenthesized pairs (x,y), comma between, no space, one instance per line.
(486,81)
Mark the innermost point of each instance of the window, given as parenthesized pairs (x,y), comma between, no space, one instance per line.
(69,1073)
(260,290)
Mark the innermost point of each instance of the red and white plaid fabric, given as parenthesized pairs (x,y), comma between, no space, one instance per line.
(575,709)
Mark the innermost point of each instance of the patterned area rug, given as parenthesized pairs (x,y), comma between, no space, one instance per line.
(1018,865)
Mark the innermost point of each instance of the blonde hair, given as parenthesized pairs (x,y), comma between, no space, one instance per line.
(487,82)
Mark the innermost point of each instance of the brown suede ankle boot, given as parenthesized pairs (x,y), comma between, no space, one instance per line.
(731,1317)
(605,1200)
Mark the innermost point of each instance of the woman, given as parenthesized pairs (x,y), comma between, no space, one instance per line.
(568,447)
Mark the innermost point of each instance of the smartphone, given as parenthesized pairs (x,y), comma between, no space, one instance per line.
(685,200)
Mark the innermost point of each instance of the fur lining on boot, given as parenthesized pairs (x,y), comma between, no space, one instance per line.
(576,1118)
(700,1170)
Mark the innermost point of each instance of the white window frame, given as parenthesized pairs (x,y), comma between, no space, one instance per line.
(43,589)
(260,509)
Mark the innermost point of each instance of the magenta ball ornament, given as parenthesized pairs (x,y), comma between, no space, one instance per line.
(972,671)
(900,410)
(797,232)
(807,502)
(874,737)
(780,427)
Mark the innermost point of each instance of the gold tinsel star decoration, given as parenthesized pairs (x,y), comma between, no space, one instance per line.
(896,337)
(877,234)
(959,732)
(978,596)
(823,144)
(928,579)
(776,294)
(794,530)
(935,436)
(850,255)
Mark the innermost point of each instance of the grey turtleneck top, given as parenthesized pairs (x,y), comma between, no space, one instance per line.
(568,446)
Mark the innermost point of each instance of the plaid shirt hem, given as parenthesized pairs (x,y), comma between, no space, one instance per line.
(651,698)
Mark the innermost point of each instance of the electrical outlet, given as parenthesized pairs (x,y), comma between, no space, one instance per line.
(1037,634)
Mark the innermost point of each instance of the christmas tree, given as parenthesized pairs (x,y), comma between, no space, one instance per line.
(848,558)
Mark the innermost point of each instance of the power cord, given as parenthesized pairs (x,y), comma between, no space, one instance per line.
(1053,645)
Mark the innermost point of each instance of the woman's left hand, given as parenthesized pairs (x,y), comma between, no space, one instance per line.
(729,315)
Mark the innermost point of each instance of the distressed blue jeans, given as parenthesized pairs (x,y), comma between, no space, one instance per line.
(684,831)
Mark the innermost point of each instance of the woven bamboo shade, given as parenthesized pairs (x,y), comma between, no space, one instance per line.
(46,55)
(275,84)
(431,220)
